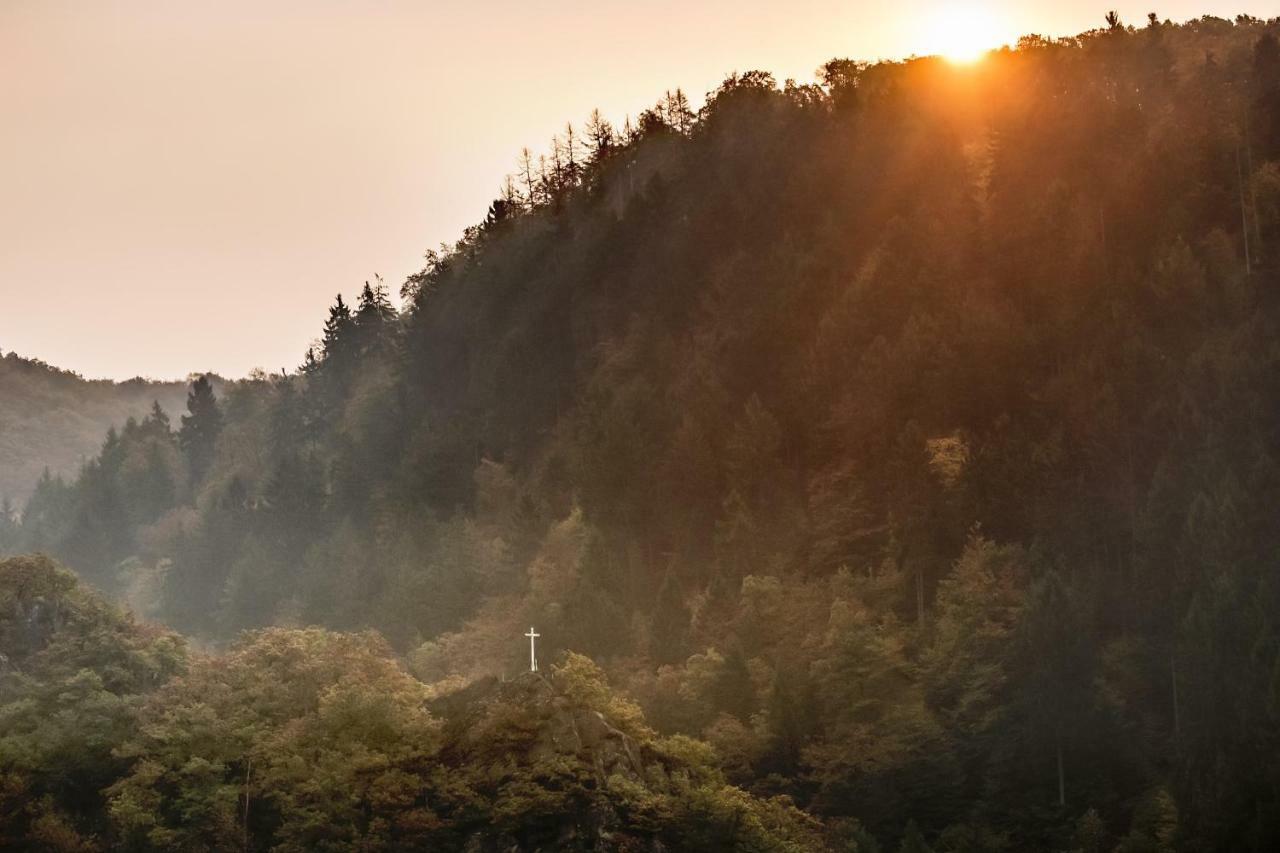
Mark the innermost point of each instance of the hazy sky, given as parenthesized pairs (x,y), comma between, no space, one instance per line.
(185,185)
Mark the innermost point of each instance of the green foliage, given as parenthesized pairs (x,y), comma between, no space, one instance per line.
(305,739)
(978,607)
(73,674)
(910,438)
(566,761)
(200,427)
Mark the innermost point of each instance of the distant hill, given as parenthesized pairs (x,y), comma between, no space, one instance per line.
(57,418)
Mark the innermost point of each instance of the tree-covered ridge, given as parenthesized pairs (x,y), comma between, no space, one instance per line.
(910,437)
(113,736)
(55,419)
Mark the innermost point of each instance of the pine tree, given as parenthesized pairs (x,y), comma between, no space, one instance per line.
(337,331)
(200,429)
(157,422)
(373,317)
(310,364)
(152,491)
(500,210)
(601,138)
(532,195)
(288,427)
(677,112)
(374,308)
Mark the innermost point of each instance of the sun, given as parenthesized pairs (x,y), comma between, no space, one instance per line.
(962,33)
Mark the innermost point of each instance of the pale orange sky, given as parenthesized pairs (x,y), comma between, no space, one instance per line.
(184,186)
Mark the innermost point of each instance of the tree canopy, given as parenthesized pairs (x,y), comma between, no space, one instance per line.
(902,446)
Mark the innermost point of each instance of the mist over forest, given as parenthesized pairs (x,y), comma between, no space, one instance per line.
(887,463)
(56,419)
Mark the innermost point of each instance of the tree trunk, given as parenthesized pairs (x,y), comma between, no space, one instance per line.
(1244,218)
(1132,575)
(1102,234)
(1253,194)
(1173,680)
(1062,778)
(248,769)
(920,596)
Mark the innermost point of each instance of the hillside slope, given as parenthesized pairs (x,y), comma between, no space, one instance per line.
(56,419)
(909,436)
(114,736)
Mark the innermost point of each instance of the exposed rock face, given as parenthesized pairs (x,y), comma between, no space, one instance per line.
(581,732)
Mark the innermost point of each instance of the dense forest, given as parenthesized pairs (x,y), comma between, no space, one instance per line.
(55,419)
(888,463)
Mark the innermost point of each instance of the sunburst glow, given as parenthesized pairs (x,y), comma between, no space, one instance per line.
(962,33)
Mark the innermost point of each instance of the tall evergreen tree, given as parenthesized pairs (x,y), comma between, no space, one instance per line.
(337,332)
(201,426)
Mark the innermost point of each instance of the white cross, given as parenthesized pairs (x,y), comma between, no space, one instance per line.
(533,657)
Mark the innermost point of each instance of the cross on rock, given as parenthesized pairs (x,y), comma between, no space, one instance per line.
(533,654)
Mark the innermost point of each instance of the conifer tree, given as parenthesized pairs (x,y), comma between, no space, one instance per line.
(337,331)
(374,308)
(373,317)
(200,429)
(158,421)
(601,138)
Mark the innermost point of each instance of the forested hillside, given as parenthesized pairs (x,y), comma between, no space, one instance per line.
(116,736)
(909,437)
(55,419)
